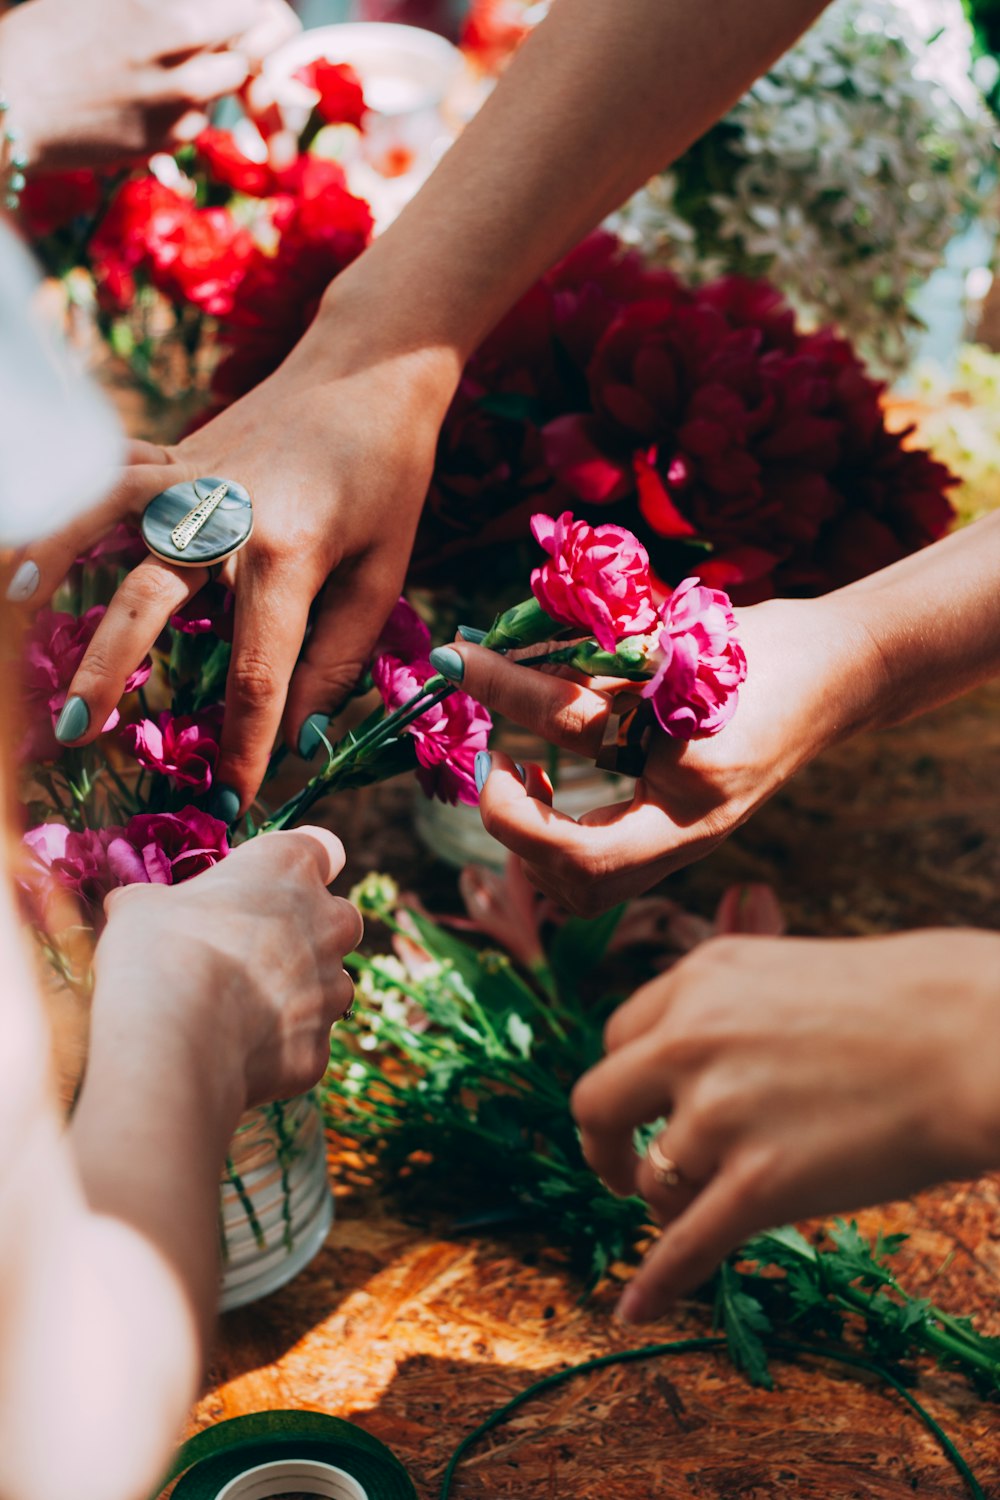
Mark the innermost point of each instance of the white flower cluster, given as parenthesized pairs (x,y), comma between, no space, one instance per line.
(840,176)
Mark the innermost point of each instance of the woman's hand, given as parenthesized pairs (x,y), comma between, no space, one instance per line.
(336,449)
(812,677)
(102,82)
(798,1077)
(244,964)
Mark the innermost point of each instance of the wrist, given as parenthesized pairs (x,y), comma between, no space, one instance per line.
(969,1118)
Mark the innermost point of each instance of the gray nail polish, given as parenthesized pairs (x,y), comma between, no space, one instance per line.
(446,660)
(474,636)
(24,583)
(224,804)
(482,768)
(522,773)
(312,734)
(73,721)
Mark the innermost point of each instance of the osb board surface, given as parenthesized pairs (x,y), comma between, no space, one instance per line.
(418,1335)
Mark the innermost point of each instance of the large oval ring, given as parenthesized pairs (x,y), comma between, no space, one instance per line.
(628,733)
(199,522)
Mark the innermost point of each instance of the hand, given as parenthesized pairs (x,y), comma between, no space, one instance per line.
(98,83)
(812,675)
(246,961)
(336,449)
(800,1077)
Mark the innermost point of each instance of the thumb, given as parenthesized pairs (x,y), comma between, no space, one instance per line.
(565,713)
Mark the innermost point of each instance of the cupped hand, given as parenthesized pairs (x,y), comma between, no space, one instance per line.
(247,959)
(798,1077)
(110,80)
(336,450)
(813,675)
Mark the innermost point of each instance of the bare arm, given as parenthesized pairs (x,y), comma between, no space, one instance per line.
(603,94)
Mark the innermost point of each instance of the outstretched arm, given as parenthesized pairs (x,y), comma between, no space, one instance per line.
(338,445)
(893,645)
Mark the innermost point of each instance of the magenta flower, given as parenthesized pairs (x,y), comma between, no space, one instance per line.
(177,846)
(153,849)
(446,737)
(404,635)
(210,611)
(185,748)
(122,547)
(55,647)
(597,578)
(695,690)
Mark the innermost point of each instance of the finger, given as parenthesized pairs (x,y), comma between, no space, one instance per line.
(355,605)
(564,713)
(691,1166)
(320,850)
(188,128)
(186,27)
(721,1217)
(270,623)
(54,556)
(137,614)
(275,24)
(637,1015)
(202,78)
(350,925)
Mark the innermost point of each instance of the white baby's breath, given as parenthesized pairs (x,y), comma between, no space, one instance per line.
(841,175)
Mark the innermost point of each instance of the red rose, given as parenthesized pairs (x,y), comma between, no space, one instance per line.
(341,97)
(231,167)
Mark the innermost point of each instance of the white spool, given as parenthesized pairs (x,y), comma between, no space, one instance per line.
(282,1475)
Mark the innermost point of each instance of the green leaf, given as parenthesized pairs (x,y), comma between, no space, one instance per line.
(579,946)
(743,1321)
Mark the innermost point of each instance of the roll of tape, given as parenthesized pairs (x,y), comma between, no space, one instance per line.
(272,1452)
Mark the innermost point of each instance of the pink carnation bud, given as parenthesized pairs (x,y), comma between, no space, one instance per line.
(702,664)
(597,578)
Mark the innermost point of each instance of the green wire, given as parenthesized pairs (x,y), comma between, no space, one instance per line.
(701,1345)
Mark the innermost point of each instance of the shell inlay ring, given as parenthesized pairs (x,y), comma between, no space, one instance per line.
(198,522)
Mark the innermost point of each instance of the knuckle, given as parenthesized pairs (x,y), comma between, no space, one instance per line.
(587,1104)
(149,588)
(253,681)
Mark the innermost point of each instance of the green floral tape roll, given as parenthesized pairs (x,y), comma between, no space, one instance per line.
(273,1452)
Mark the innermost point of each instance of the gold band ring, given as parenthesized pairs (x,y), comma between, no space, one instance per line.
(665,1170)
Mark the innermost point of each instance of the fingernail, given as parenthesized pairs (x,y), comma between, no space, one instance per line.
(521,772)
(73,721)
(312,734)
(482,768)
(24,583)
(471,634)
(629,1309)
(446,660)
(224,804)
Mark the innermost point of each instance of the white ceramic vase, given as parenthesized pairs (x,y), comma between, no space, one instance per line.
(275,1204)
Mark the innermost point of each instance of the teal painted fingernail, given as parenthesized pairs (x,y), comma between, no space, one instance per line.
(474,636)
(73,721)
(312,734)
(224,804)
(482,768)
(446,660)
(521,772)
(24,583)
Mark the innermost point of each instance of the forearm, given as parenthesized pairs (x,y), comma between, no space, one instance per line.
(933,620)
(119,1292)
(600,97)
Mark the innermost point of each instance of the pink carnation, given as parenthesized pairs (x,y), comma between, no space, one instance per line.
(597,579)
(55,647)
(404,634)
(185,748)
(447,737)
(696,687)
(152,849)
